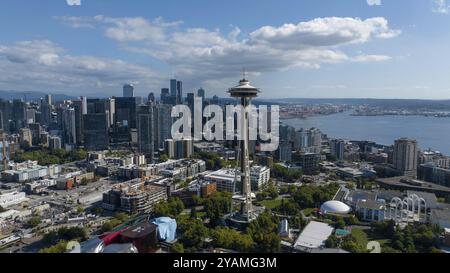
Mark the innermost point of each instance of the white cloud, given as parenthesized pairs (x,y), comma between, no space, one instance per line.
(73,2)
(204,55)
(49,66)
(77,22)
(373,2)
(331,31)
(371,58)
(441,6)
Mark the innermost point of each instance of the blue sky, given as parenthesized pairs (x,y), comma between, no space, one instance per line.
(291,48)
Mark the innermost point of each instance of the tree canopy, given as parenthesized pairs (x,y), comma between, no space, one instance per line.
(217,205)
(264,232)
(46,157)
(171,208)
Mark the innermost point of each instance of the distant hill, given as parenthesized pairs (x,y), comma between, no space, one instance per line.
(31,95)
(391,103)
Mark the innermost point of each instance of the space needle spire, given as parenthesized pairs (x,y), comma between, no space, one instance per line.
(245,92)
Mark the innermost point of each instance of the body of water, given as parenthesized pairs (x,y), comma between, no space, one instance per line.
(430,132)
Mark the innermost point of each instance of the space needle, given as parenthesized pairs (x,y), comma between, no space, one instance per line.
(245,92)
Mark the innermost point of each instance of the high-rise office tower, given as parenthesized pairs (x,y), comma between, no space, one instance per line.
(48,99)
(128,91)
(309,140)
(284,151)
(163,123)
(54,143)
(96,106)
(337,147)
(176,92)
(215,100)
(405,156)
(1,121)
(190,99)
(69,129)
(179,92)
(315,140)
(84,105)
(26,138)
(19,114)
(146,130)
(36,131)
(245,92)
(111,109)
(46,113)
(78,106)
(151,98)
(30,115)
(169,149)
(201,93)
(59,116)
(6,110)
(165,94)
(301,140)
(96,125)
(95,131)
(183,148)
(125,109)
(173,87)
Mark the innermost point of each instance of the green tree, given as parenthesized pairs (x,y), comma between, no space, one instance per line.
(72,233)
(177,248)
(117,220)
(311,196)
(197,200)
(272,191)
(331,242)
(263,231)
(350,245)
(288,207)
(122,217)
(163,158)
(225,237)
(193,235)
(217,205)
(60,247)
(340,223)
(171,208)
(84,181)
(289,175)
(50,238)
(108,226)
(34,222)
(80,209)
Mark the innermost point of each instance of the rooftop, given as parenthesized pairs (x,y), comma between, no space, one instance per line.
(371,204)
(314,235)
(140,230)
(406,183)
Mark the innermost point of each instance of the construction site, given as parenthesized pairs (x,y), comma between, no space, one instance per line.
(134,197)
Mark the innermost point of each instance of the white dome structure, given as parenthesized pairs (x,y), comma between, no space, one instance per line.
(336,207)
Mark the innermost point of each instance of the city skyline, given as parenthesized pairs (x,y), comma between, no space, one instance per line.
(360,49)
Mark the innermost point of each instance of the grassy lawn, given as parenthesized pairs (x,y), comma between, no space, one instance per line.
(271,204)
(365,236)
(360,236)
(377,237)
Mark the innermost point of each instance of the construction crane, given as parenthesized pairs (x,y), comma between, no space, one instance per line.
(143,179)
